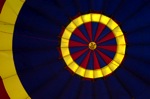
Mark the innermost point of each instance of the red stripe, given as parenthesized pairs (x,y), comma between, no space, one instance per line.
(78,33)
(109,36)
(3,93)
(89,29)
(1,4)
(99,31)
(78,54)
(112,48)
(85,61)
(96,62)
(104,57)
(76,44)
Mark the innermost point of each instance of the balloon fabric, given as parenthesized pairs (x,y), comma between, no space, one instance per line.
(74,49)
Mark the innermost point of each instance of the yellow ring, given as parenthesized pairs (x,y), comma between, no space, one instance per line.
(109,68)
(8,72)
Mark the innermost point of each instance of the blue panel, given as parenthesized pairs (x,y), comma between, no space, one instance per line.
(67,7)
(76,49)
(83,6)
(84,31)
(110,7)
(90,64)
(76,38)
(138,36)
(96,5)
(129,9)
(48,10)
(43,75)
(100,89)
(72,89)
(134,85)
(140,19)
(94,29)
(36,77)
(116,89)
(24,53)
(86,90)
(51,89)
(104,33)
(108,53)
(101,61)
(109,42)
(140,68)
(81,58)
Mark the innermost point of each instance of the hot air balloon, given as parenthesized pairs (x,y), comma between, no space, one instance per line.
(74,49)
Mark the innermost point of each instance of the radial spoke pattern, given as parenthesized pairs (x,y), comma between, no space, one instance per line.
(75,49)
(91,57)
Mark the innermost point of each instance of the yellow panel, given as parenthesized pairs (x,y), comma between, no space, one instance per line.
(71,27)
(15,5)
(80,71)
(66,34)
(6,28)
(117,31)
(106,70)
(113,66)
(118,58)
(86,18)
(120,40)
(8,14)
(73,66)
(78,21)
(98,73)
(65,51)
(96,17)
(121,49)
(113,62)
(5,41)
(104,19)
(8,73)
(14,88)
(111,24)
(88,73)
(68,59)
(28,97)
(64,42)
(6,64)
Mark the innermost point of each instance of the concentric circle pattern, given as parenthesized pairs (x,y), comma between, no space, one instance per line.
(93,45)
(74,49)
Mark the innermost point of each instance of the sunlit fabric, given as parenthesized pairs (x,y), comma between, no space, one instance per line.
(74,49)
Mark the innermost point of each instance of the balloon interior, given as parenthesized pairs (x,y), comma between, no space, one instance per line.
(74,49)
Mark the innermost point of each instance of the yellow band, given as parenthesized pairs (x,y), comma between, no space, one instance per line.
(8,72)
(109,68)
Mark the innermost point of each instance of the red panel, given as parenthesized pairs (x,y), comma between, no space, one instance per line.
(1,4)
(76,44)
(106,58)
(86,60)
(99,31)
(78,33)
(96,62)
(89,29)
(78,54)
(112,48)
(109,36)
(3,93)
